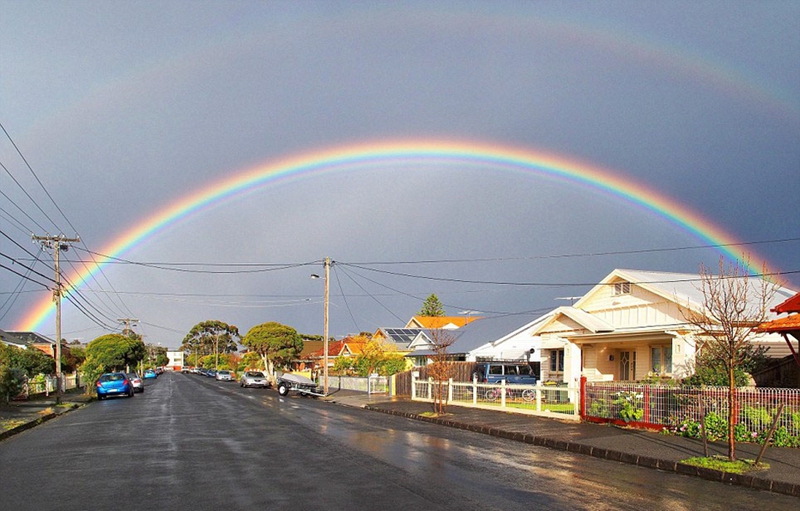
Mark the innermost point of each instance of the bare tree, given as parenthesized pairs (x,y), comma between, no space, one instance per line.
(733,304)
(442,367)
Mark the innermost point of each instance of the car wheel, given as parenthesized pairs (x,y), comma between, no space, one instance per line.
(283,389)
(99,397)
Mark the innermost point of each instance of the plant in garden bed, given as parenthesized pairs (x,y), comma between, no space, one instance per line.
(599,408)
(725,465)
(629,405)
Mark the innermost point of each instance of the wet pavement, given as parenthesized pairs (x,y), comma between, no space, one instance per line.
(643,448)
(638,447)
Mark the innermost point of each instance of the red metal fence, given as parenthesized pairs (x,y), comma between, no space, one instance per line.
(675,407)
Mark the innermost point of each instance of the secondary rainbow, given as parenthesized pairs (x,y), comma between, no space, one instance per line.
(377,154)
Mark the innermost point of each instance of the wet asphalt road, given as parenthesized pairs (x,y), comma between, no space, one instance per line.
(189,442)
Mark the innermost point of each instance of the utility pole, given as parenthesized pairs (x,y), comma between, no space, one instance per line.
(327,265)
(57,244)
(127,331)
(128,322)
(325,320)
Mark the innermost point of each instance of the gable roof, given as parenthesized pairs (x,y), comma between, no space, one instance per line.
(682,288)
(403,338)
(347,346)
(12,340)
(26,338)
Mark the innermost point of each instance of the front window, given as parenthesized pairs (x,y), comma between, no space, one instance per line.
(557,361)
(661,359)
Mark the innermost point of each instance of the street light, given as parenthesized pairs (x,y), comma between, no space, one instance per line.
(327,265)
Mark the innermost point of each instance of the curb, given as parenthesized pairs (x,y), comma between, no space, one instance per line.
(32,424)
(746,480)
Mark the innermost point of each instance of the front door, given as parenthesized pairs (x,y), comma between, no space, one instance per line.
(627,365)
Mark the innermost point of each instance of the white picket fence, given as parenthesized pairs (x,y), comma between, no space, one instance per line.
(560,402)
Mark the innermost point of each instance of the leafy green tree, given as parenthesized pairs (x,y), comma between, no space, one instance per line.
(112,352)
(277,344)
(12,381)
(252,360)
(31,360)
(432,307)
(211,337)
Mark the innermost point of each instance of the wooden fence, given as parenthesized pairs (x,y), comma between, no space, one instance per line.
(462,372)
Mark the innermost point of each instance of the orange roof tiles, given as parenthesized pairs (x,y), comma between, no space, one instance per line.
(786,324)
(434,322)
(790,305)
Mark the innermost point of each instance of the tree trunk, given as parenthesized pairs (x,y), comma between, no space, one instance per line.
(732,412)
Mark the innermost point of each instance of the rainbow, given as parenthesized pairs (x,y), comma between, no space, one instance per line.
(379,154)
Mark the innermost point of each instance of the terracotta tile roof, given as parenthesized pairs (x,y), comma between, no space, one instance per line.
(790,305)
(441,321)
(336,348)
(787,324)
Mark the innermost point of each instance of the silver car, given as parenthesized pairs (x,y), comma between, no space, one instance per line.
(223,375)
(254,379)
(136,381)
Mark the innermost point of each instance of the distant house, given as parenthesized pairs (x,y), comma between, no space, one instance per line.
(347,347)
(629,326)
(176,360)
(507,337)
(38,341)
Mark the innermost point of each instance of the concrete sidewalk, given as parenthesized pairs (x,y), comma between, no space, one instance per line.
(637,447)
(23,415)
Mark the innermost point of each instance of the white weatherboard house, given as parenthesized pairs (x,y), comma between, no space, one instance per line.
(628,327)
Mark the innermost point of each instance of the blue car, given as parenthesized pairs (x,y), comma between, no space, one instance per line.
(149,373)
(114,384)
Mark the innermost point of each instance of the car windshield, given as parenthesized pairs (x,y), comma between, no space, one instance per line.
(112,377)
(133,375)
(255,374)
(224,372)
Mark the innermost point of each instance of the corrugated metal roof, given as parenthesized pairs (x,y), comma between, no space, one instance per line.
(488,330)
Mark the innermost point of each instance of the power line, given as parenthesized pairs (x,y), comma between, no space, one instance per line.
(585,254)
(540,284)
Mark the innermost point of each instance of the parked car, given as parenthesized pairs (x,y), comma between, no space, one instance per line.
(138,383)
(223,375)
(149,373)
(514,372)
(254,379)
(113,384)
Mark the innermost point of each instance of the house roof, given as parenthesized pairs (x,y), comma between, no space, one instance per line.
(335,348)
(788,324)
(433,322)
(491,330)
(25,338)
(589,321)
(682,288)
(792,304)
(403,338)
(12,340)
